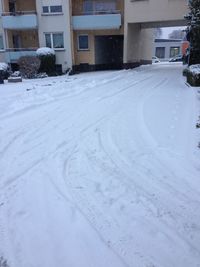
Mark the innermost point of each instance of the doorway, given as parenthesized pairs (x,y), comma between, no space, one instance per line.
(109,52)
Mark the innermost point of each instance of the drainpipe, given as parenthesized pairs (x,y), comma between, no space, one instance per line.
(71,32)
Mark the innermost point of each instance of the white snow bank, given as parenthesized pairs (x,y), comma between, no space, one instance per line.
(3,66)
(45,51)
(195,69)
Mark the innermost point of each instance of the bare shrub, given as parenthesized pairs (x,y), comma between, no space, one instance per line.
(29,66)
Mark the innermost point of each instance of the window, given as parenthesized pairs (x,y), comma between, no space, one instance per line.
(58,40)
(105,6)
(52,9)
(87,7)
(1,43)
(160,52)
(48,40)
(174,51)
(54,40)
(99,6)
(83,42)
(56,9)
(45,9)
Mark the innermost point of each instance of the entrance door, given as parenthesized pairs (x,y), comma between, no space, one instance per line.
(109,51)
(16,41)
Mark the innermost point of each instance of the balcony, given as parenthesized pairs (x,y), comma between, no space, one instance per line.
(97,21)
(13,54)
(20,20)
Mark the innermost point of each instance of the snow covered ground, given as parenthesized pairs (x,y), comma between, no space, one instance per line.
(101,170)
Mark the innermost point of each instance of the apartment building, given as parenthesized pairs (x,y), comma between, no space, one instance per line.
(98,34)
(27,25)
(86,34)
(54,29)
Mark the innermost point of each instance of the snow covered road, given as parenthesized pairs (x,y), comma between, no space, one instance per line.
(100,170)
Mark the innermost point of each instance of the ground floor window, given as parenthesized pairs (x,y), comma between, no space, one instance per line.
(83,42)
(1,43)
(160,52)
(54,40)
(174,51)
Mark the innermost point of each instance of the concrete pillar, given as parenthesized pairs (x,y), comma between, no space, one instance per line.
(131,43)
(138,44)
(146,45)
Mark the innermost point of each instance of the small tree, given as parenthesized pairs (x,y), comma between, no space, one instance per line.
(193,31)
(29,66)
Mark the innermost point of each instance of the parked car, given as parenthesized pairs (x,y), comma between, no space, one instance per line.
(155,59)
(178,58)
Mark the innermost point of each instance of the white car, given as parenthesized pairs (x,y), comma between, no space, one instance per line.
(155,60)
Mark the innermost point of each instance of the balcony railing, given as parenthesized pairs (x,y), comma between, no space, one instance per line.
(97,21)
(19,20)
(19,13)
(97,12)
(14,54)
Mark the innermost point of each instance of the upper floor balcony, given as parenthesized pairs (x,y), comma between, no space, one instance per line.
(19,20)
(97,15)
(19,14)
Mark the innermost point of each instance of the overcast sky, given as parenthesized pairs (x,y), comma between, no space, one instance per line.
(167,31)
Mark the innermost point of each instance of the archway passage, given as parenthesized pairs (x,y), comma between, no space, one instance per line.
(141,17)
(139,43)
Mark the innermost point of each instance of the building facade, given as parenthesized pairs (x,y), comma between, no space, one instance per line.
(165,49)
(27,25)
(98,34)
(86,34)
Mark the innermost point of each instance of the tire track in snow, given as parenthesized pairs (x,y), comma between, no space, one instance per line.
(146,202)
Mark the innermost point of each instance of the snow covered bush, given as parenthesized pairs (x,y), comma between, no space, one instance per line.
(4,68)
(29,66)
(48,60)
(193,75)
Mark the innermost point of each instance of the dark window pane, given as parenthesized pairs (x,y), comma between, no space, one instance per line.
(160,52)
(83,42)
(45,9)
(55,9)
